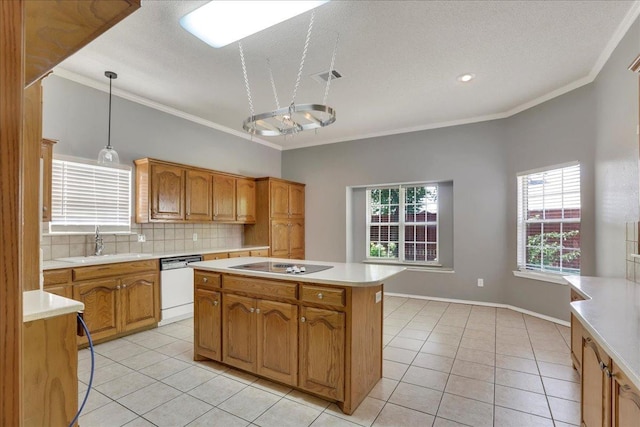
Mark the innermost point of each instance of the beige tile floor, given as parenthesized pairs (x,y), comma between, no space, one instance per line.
(444,365)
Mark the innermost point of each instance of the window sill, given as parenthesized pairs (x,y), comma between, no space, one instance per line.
(541,276)
(434,268)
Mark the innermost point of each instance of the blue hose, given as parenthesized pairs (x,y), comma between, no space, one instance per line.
(93,363)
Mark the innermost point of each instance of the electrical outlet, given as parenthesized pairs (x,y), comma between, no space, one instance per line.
(195,237)
(142,238)
(480,283)
(378,296)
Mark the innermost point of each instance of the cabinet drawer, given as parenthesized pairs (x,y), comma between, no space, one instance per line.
(260,252)
(239,254)
(110,270)
(322,295)
(57,277)
(211,257)
(260,287)
(206,280)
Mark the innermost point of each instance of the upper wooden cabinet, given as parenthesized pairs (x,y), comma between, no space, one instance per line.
(286,199)
(224,198)
(56,30)
(246,200)
(171,192)
(199,191)
(279,218)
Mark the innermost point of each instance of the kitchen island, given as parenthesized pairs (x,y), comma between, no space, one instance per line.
(316,331)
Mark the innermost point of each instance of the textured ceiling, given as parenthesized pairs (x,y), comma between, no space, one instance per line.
(399,59)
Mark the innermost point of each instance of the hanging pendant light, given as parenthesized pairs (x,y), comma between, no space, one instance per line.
(109,156)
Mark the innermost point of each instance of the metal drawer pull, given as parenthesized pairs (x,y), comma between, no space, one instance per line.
(118,287)
(215,303)
(205,279)
(252,309)
(303,319)
(258,310)
(320,296)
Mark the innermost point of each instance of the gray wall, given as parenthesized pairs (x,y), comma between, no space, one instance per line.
(76,115)
(616,157)
(595,124)
(472,156)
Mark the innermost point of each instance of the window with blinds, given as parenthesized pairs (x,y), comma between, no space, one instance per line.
(549,220)
(402,223)
(85,195)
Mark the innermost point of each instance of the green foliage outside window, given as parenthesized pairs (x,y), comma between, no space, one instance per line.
(546,247)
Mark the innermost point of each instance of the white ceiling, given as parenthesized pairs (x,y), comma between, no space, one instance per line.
(399,59)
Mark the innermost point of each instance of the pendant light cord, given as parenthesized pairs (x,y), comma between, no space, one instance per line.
(109,132)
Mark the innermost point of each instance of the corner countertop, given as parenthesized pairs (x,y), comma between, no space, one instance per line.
(38,305)
(344,274)
(611,313)
(55,264)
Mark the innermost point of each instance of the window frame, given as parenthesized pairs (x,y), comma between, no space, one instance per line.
(401,223)
(60,227)
(523,268)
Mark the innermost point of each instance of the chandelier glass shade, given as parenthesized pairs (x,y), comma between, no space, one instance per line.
(109,156)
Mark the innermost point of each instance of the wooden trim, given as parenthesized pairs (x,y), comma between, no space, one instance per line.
(11,88)
(148,160)
(635,65)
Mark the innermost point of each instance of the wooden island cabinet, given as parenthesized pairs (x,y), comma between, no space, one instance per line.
(321,338)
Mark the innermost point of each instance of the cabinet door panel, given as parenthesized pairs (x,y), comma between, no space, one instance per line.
(224,198)
(296,239)
(576,343)
(280,238)
(246,200)
(239,337)
(167,192)
(625,401)
(198,192)
(296,201)
(595,385)
(62,290)
(279,194)
(207,312)
(100,299)
(277,340)
(139,295)
(322,341)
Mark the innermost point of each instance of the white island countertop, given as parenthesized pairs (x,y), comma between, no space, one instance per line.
(611,314)
(345,274)
(38,305)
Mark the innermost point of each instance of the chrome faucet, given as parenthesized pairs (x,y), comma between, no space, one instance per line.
(99,247)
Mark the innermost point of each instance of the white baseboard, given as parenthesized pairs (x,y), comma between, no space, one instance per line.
(484,303)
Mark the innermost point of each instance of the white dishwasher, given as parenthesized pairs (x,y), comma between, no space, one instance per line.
(176,288)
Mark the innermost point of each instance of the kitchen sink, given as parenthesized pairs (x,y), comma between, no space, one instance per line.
(103,258)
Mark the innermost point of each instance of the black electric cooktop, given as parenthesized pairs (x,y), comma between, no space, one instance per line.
(282,267)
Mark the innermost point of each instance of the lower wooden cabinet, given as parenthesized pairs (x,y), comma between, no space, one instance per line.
(608,398)
(322,346)
(50,365)
(207,332)
(577,335)
(119,304)
(261,336)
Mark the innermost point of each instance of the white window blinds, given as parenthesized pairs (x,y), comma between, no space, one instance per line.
(549,220)
(85,195)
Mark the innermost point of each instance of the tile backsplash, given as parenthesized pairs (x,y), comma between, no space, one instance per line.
(633,263)
(159,238)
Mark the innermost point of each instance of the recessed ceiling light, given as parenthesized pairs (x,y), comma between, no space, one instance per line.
(464,78)
(219,23)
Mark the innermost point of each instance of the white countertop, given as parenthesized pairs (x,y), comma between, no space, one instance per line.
(345,274)
(38,305)
(611,313)
(106,259)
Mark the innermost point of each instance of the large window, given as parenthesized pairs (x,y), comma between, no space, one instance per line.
(549,220)
(402,223)
(85,195)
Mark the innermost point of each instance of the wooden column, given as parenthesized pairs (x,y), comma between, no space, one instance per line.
(11,92)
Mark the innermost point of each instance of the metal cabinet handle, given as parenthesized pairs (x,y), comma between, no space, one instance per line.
(303,319)
(118,287)
(320,296)
(124,286)
(205,280)
(258,310)
(252,309)
(215,303)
